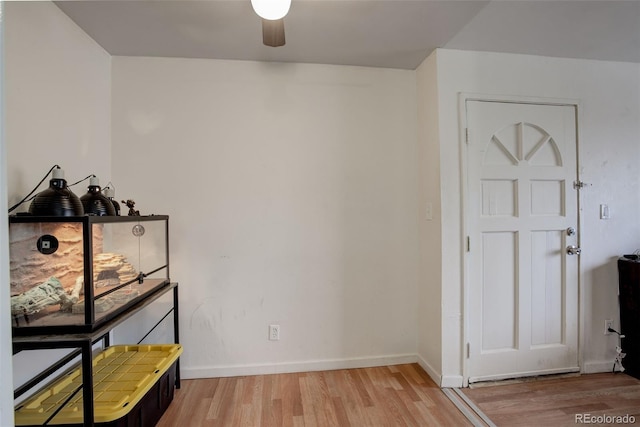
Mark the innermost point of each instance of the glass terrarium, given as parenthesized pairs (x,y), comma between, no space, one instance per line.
(72,274)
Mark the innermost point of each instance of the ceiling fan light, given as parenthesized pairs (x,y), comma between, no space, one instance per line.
(271,9)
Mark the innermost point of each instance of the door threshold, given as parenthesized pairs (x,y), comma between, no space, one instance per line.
(523,379)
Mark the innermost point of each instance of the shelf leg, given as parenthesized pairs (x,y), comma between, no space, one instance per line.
(87,383)
(176,331)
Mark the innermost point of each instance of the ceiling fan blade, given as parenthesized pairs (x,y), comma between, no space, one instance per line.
(273,32)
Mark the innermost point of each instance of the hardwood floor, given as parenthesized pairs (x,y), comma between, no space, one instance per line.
(400,395)
(557,401)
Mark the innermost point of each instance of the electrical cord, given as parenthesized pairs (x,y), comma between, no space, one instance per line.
(34,196)
(620,355)
(12,208)
(83,179)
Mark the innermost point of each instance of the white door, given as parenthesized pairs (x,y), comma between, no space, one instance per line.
(521,213)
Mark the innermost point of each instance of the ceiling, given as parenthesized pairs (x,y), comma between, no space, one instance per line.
(375,33)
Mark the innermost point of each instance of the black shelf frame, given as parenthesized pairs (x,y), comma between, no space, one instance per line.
(83,343)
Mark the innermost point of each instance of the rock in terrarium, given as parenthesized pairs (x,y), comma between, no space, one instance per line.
(111,269)
(100,305)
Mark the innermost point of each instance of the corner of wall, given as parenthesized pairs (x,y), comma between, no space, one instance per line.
(430,290)
(430,370)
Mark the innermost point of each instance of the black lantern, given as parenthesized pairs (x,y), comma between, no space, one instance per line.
(94,202)
(57,200)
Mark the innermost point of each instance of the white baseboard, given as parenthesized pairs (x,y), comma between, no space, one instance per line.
(597,367)
(435,375)
(452,381)
(288,367)
(443,381)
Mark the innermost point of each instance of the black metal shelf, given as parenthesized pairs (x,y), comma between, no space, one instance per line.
(84,343)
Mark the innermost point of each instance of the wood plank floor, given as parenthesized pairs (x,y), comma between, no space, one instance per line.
(400,395)
(557,400)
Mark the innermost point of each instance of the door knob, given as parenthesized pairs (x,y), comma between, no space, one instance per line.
(573,250)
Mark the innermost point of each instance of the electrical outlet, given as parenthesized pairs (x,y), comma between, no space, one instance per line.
(608,324)
(274,332)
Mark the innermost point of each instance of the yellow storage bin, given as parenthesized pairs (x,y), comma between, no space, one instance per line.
(122,376)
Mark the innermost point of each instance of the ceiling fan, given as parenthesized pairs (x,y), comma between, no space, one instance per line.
(272,13)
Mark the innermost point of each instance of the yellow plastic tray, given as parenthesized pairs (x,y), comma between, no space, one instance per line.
(122,375)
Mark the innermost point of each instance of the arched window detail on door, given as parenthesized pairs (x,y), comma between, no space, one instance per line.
(522,142)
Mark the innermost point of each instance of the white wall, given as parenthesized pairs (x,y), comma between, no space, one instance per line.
(57,111)
(609,131)
(6,369)
(57,99)
(292,191)
(430,290)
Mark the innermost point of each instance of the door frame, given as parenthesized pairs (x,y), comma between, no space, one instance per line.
(463,98)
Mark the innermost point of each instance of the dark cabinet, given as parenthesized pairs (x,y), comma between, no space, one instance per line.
(629,295)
